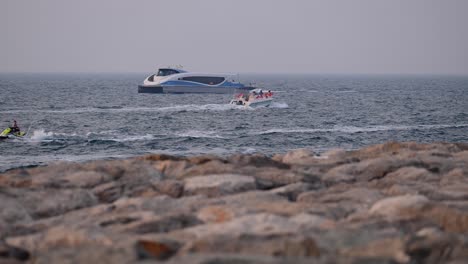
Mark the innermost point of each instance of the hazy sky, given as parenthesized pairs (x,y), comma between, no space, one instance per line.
(262,36)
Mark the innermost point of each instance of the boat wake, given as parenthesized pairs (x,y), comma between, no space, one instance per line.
(164,109)
(41,135)
(174,108)
(280,105)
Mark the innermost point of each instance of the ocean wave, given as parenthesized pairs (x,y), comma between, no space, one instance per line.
(353,129)
(199,134)
(206,107)
(41,135)
(133,138)
(118,109)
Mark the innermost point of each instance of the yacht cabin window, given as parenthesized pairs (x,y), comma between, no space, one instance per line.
(204,79)
(166,72)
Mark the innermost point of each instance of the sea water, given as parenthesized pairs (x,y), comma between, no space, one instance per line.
(81,117)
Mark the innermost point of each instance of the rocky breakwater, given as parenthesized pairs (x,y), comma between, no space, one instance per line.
(389,203)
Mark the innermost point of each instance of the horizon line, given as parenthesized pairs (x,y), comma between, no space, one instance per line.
(248,73)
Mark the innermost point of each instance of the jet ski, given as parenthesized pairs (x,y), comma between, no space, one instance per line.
(6,134)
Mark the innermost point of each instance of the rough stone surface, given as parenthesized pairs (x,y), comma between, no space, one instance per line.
(394,207)
(389,203)
(218,185)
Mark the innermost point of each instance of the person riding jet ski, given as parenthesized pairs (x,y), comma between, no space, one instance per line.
(14,129)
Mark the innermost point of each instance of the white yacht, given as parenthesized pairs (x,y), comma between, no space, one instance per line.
(174,80)
(255,98)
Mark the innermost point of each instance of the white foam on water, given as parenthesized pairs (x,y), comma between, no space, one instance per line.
(132,138)
(114,135)
(288,131)
(353,129)
(165,109)
(248,151)
(192,107)
(346,91)
(279,105)
(199,134)
(192,151)
(41,135)
(174,108)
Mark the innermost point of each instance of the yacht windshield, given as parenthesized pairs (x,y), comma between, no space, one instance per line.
(166,72)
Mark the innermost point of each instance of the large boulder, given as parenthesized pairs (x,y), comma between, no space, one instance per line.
(52,202)
(399,207)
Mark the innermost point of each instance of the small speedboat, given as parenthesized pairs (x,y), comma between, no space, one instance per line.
(175,80)
(255,98)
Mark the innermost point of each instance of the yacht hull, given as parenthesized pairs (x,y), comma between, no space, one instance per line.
(191,89)
(261,103)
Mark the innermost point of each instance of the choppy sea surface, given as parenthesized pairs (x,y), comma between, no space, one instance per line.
(81,117)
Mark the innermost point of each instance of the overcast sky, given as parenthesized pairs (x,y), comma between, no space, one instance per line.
(260,36)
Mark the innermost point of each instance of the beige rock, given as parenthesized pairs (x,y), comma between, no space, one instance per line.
(335,154)
(433,246)
(395,207)
(172,168)
(258,201)
(409,174)
(11,212)
(299,157)
(215,214)
(60,236)
(11,254)
(255,224)
(172,188)
(390,203)
(159,250)
(230,258)
(279,246)
(449,219)
(86,253)
(255,160)
(218,184)
(367,170)
(388,247)
(292,191)
(52,202)
(456,175)
(450,192)
(307,221)
(398,190)
(269,178)
(108,192)
(79,179)
(357,195)
(162,224)
(208,168)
